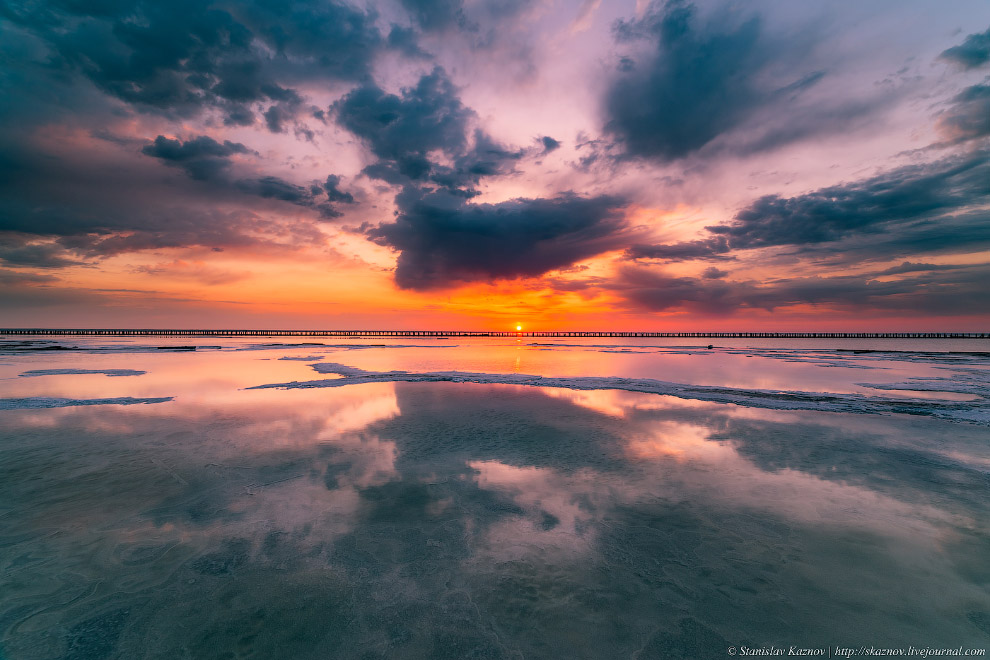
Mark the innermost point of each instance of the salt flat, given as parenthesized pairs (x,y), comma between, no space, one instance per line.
(491,498)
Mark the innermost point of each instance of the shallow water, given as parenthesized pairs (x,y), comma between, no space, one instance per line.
(451,512)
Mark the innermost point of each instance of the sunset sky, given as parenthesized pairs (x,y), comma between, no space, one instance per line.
(461,164)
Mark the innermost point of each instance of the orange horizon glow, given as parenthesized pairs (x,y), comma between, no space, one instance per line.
(170,292)
(298,286)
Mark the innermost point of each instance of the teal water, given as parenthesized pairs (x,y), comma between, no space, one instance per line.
(465,508)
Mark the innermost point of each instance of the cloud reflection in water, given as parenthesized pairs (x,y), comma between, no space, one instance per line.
(451,519)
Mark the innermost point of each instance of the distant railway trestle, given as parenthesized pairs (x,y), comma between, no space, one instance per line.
(163,332)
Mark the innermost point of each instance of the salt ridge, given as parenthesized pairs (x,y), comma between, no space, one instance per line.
(972,412)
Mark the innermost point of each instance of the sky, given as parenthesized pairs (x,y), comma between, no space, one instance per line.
(466,164)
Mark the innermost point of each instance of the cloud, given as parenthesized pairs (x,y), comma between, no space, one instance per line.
(694,86)
(15,278)
(202,158)
(694,83)
(657,291)
(405,41)
(18,250)
(585,15)
(196,271)
(180,58)
(909,267)
(876,205)
(334,193)
(973,52)
(477,26)
(968,117)
(83,202)
(184,227)
(952,291)
(276,117)
(957,233)
(713,273)
(436,15)
(404,131)
(709,248)
(74,228)
(549,144)
(444,241)
(926,208)
(486,157)
(272,187)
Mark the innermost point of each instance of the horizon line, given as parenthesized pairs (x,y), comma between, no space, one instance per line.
(244,332)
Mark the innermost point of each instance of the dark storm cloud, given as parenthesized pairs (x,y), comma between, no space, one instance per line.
(909,267)
(16,251)
(436,15)
(492,26)
(202,158)
(406,41)
(710,248)
(402,131)
(704,79)
(272,187)
(921,193)
(486,157)
(918,209)
(443,240)
(968,117)
(276,118)
(657,291)
(955,291)
(238,115)
(713,273)
(184,228)
(205,159)
(334,193)
(59,211)
(12,278)
(180,57)
(87,229)
(954,233)
(973,52)
(696,85)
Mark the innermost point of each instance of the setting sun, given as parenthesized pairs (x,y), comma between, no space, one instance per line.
(518,328)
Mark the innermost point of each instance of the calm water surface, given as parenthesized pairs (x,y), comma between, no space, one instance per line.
(159,508)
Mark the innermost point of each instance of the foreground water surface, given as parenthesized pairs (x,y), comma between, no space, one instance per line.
(491,498)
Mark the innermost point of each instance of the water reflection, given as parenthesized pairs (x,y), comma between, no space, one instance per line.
(411,520)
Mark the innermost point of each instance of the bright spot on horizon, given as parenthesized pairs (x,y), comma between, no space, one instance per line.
(518,328)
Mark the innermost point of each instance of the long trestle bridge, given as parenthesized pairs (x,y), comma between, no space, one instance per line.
(164,332)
